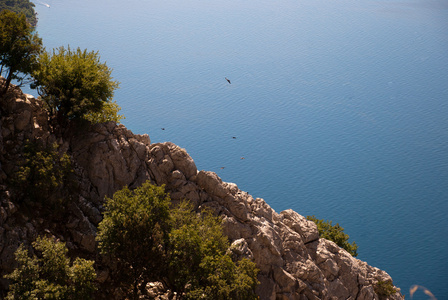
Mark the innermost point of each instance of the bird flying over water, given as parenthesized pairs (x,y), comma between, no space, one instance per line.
(227,80)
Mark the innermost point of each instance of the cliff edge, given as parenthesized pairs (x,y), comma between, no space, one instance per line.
(294,262)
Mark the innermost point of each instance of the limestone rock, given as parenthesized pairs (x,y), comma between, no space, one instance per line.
(307,229)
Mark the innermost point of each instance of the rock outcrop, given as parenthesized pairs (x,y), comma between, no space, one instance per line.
(294,262)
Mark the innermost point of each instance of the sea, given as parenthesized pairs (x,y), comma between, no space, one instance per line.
(335,108)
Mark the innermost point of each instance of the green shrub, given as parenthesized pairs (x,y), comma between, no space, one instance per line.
(75,85)
(199,266)
(152,241)
(44,173)
(384,289)
(50,276)
(108,113)
(134,231)
(334,233)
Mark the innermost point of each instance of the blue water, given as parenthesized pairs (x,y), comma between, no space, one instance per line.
(339,107)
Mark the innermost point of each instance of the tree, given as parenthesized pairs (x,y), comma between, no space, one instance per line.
(44,174)
(199,266)
(74,83)
(185,250)
(19,48)
(24,276)
(51,276)
(108,113)
(334,233)
(134,231)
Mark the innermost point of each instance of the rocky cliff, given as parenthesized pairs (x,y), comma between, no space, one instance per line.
(294,262)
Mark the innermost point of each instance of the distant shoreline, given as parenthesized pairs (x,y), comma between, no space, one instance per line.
(23,6)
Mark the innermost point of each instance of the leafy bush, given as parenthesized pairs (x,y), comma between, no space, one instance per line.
(108,113)
(334,233)
(384,289)
(134,231)
(50,276)
(184,250)
(44,172)
(199,266)
(75,84)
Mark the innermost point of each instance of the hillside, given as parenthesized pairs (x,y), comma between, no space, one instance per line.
(294,262)
(21,6)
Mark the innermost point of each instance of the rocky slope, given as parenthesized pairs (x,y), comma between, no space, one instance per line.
(294,262)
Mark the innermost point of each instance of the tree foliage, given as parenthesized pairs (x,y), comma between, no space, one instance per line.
(43,173)
(19,48)
(134,230)
(199,265)
(108,113)
(25,7)
(50,276)
(334,233)
(384,289)
(75,84)
(184,250)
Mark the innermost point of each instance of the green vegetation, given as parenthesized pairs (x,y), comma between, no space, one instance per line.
(334,233)
(199,266)
(19,48)
(108,113)
(135,230)
(25,7)
(76,85)
(44,173)
(50,276)
(184,250)
(384,289)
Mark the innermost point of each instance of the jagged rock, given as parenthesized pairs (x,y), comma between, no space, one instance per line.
(182,161)
(240,249)
(156,291)
(23,120)
(111,157)
(294,262)
(307,229)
